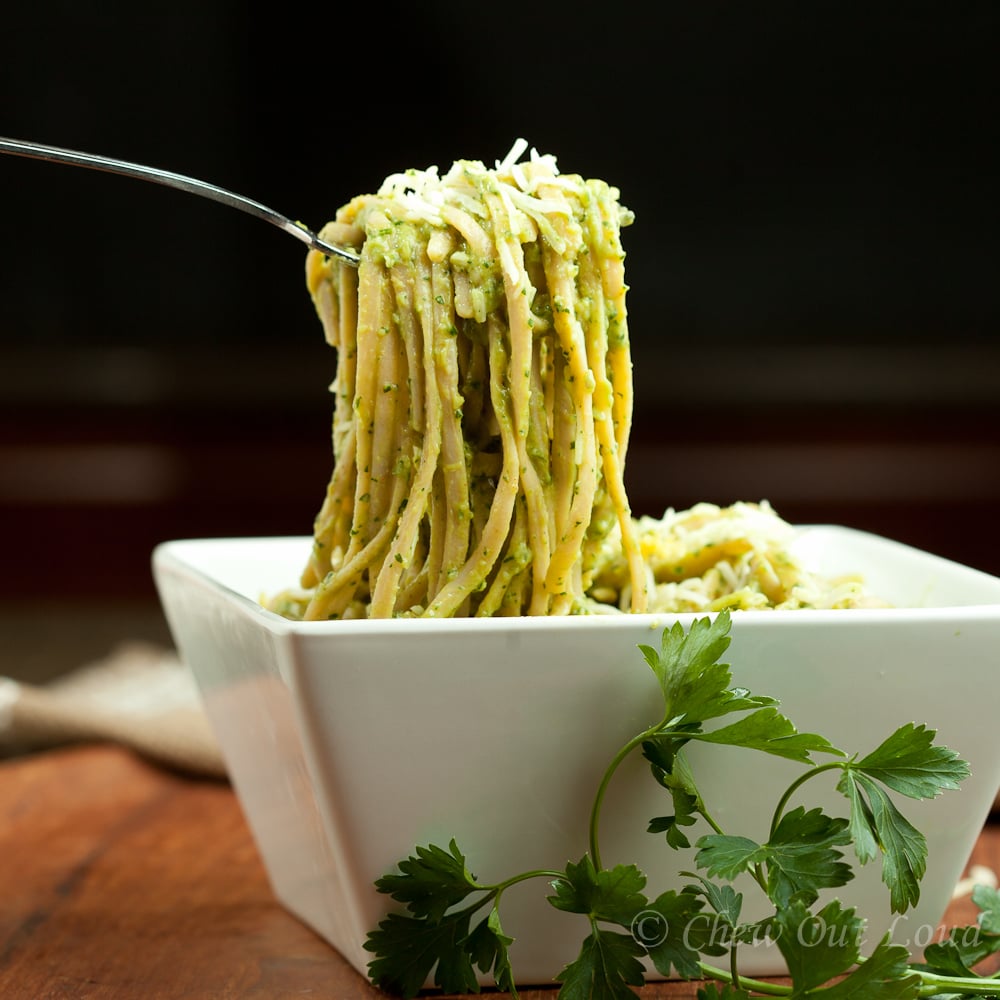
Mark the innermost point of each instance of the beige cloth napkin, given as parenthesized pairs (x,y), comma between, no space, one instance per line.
(140,695)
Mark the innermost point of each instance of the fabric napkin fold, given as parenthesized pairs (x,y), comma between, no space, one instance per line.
(141,696)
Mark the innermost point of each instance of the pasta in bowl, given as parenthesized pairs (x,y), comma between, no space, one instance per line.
(454,660)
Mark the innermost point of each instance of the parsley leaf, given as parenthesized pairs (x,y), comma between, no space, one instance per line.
(884,975)
(715,935)
(909,763)
(862,821)
(696,687)
(607,966)
(801,856)
(988,900)
(613,894)
(685,808)
(668,928)
(409,948)
(723,899)
(727,855)
(768,730)
(694,684)
(960,951)
(817,946)
(487,946)
(430,882)
(877,823)
(965,947)
(671,769)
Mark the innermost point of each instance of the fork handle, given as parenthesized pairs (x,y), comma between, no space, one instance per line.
(55,154)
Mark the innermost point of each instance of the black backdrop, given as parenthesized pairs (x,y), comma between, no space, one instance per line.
(813,299)
(798,170)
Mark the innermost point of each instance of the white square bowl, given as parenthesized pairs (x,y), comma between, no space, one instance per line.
(351,742)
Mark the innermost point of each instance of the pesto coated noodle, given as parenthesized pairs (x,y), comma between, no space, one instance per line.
(483,403)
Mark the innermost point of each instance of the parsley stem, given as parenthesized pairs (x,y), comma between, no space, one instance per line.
(745,982)
(500,887)
(493,891)
(933,984)
(794,787)
(708,818)
(595,812)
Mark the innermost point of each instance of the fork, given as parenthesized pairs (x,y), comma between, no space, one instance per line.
(55,154)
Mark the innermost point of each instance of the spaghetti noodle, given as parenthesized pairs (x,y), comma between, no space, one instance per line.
(483,402)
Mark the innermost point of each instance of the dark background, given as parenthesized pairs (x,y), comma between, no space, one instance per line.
(813,295)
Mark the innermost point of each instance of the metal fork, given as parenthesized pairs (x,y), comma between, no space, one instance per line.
(55,154)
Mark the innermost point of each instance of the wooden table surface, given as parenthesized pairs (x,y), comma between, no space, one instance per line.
(121,880)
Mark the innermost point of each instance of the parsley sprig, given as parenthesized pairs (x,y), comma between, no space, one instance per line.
(450,933)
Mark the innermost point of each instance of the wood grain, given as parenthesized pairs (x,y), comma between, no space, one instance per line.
(122,880)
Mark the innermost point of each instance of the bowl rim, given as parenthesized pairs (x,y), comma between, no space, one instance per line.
(168,557)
